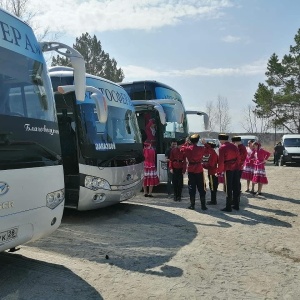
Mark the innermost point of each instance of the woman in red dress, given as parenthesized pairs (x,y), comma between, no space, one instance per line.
(248,167)
(150,175)
(259,175)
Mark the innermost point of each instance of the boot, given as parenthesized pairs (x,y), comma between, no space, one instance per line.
(228,205)
(236,203)
(203,203)
(192,199)
(213,198)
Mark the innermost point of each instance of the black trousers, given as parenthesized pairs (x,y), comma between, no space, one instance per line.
(232,187)
(177,183)
(240,176)
(196,180)
(169,183)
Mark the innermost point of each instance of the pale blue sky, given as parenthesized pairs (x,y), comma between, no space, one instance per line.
(203,49)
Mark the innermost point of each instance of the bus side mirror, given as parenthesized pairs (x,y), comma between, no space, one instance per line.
(100,101)
(161,112)
(97,96)
(79,80)
(77,62)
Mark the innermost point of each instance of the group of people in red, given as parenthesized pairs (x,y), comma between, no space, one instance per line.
(234,162)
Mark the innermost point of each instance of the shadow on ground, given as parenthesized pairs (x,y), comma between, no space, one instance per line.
(133,237)
(243,216)
(27,279)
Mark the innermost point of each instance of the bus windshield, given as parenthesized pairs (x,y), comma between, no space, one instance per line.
(120,128)
(25,89)
(172,127)
(29,133)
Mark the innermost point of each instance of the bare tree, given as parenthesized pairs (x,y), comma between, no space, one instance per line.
(211,112)
(254,124)
(223,119)
(20,9)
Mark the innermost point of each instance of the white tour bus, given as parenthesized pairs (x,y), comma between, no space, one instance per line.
(31,171)
(101,143)
(159,103)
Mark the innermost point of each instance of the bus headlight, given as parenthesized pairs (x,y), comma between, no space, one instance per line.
(96,183)
(55,198)
(285,153)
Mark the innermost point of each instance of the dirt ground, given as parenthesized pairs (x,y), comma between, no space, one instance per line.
(155,248)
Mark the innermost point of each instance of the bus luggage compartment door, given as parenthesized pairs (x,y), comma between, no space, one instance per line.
(162,168)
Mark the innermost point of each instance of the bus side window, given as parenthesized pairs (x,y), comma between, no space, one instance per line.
(4,103)
(15,102)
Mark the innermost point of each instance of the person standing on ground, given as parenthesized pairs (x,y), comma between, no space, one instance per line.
(194,155)
(210,162)
(150,175)
(243,154)
(177,167)
(173,145)
(259,175)
(278,151)
(248,167)
(229,164)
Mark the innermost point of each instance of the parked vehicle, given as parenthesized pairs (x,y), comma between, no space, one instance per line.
(246,138)
(101,142)
(161,106)
(291,152)
(31,181)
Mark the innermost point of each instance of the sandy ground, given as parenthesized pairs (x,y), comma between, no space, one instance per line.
(157,249)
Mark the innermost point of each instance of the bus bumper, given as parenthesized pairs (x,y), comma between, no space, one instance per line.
(42,221)
(89,199)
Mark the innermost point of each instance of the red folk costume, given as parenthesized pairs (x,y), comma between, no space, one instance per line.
(177,160)
(248,167)
(229,158)
(211,163)
(150,174)
(259,174)
(194,155)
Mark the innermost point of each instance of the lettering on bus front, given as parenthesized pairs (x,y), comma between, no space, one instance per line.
(105,146)
(6,205)
(41,129)
(112,95)
(19,39)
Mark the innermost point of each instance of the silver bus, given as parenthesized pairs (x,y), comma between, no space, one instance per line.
(101,142)
(31,171)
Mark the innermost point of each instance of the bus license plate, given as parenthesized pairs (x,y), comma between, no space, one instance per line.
(8,235)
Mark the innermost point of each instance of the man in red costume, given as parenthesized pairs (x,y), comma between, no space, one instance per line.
(229,163)
(194,155)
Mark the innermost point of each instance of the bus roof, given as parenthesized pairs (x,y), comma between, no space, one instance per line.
(148,81)
(14,16)
(68,71)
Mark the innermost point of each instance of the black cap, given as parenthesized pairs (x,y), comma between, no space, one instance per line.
(212,144)
(236,139)
(223,137)
(194,138)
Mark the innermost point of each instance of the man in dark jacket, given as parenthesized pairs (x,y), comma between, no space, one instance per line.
(278,151)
